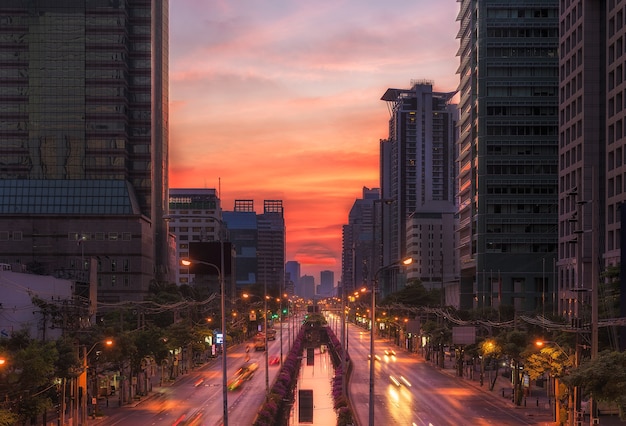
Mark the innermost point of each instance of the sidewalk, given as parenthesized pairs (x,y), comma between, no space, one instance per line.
(537,404)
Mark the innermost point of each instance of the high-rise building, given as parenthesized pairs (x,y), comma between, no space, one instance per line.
(327,284)
(243,233)
(195,215)
(508,151)
(358,241)
(417,170)
(271,247)
(584,122)
(292,277)
(431,243)
(84,152)
(307,286)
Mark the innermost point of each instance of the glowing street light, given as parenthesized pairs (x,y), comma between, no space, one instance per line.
(403,262)
(82,379)
(219,269)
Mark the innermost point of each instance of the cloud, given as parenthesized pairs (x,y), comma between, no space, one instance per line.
(281,100)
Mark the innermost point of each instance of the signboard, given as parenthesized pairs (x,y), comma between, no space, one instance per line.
(464,335)
(219,338)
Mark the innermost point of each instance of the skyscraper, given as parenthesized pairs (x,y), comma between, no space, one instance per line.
(196,215)
(84,152)
(508,151)
(583,146)
(243,233)
(327,284)
(292,277)
(271,247)
(417,169)
(358,242)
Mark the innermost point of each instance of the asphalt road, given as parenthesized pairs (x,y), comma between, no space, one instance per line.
(199,393)
(419,394)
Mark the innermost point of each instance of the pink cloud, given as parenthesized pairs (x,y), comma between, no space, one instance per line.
(281,100)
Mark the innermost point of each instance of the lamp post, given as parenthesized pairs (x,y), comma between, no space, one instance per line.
(404,262)
(82,380)
(541,343)
(267,372)
(265,338)
(189,262)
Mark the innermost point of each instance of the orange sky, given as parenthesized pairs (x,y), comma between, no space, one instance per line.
(281,100)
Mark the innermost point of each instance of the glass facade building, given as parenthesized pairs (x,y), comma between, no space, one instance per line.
(83,98)
(508,152)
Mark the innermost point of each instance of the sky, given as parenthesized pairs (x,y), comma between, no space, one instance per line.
(280,100)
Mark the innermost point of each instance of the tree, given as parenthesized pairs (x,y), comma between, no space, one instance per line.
(513,344)
(489,350)
(29,375)
(414,294)
(604,378)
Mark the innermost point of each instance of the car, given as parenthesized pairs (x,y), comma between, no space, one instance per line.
(242,374)
(259,343)
(390,352)
(275,360)
(376,357)
(271,334)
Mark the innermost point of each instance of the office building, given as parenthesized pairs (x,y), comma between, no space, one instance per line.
(243,233)
(307,286)
(84,152)
(292,277)
(417,171)
(327,284)
(508,152)
(194,215)
(431,243)
(358,242)
(271,247)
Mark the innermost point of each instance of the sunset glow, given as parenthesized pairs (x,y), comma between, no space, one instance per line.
(281,100)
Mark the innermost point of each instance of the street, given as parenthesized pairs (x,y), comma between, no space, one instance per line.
(409,391)
(198,394)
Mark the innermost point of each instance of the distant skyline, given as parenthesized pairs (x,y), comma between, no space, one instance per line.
(281,100)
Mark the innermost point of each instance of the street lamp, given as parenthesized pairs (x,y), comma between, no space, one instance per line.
(267,373)
(189,262)
(404,262)
(265,337)
(572,401)
(82,379)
